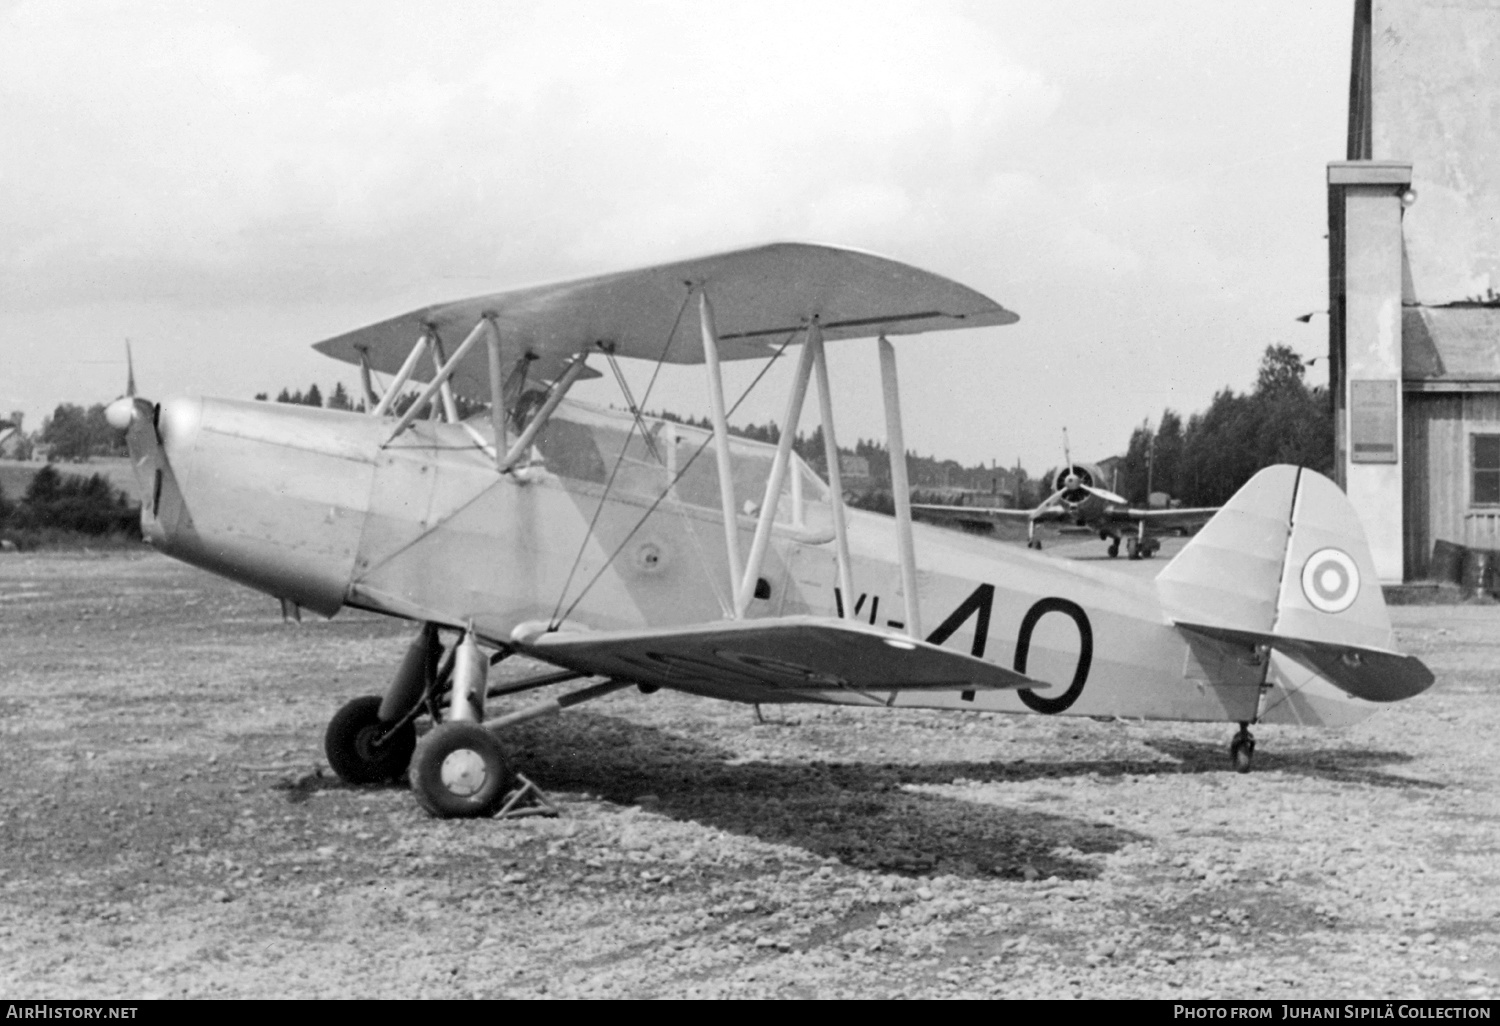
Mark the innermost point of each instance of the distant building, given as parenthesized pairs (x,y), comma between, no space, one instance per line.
(13,442)
(1414,269)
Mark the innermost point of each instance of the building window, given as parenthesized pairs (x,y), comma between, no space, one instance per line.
(1485,465)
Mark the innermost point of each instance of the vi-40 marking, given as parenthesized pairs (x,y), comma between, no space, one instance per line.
(980,604)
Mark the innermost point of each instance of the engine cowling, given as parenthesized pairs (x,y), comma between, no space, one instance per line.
(1074,482)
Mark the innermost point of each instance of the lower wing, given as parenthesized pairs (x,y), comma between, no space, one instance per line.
(748,658)
(1163,519)
(985,514)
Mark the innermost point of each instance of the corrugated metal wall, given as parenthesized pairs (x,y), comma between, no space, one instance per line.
(1436,474)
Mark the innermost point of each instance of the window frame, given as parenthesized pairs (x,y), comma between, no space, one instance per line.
(1474,470)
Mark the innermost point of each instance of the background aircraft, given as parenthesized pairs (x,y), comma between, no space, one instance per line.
(650,554)
(1078,500)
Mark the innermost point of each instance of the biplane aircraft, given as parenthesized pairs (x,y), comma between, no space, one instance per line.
(650,554)
(1078,500)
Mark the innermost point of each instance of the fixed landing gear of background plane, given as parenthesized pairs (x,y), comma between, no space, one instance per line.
(1139,545)
(459,767)
(1242,749)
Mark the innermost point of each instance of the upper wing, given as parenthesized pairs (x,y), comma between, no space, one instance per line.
(754,660)
(1163,518)
(760,296)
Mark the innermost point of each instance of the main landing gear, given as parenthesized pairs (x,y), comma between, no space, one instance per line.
(362,749)
(1242,749)
(1142,546)
(458,768)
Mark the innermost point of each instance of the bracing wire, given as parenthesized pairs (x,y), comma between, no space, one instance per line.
(619,460)
(666,491)
(635,411)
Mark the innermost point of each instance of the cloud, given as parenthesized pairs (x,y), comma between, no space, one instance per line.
(1142,183)
(176,151)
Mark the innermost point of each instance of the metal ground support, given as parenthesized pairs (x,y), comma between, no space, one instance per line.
(527,800)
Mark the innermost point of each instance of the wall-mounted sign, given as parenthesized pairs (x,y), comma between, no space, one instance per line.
(1374,421)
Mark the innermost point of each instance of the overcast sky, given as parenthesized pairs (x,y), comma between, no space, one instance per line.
(225,184)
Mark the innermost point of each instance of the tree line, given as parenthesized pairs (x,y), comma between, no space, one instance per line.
(339,399)
(57,507)
(1205,461)
(1200,461)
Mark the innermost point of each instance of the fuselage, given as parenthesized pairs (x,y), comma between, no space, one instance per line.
(608,528)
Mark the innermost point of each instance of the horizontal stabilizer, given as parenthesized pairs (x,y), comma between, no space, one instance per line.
(787,654)
(1373,674)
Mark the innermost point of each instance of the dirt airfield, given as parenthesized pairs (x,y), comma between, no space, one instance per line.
(165,832)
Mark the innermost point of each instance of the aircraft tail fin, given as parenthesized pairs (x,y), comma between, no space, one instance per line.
(1285,564)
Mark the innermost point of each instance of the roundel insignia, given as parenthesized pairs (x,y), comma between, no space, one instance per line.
(1330,580)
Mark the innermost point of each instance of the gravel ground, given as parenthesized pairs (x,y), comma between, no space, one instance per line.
(165,830)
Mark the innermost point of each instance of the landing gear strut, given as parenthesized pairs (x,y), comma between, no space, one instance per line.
(1142,546)
(458,768)
(1242,749)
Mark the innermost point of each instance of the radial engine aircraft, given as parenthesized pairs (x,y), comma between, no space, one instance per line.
(649,554)
(1078,500)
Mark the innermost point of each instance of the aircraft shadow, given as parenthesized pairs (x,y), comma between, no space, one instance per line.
(862,814)
(1341,765)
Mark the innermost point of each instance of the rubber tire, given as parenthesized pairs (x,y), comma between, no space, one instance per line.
(1114,548)
(1132,549)
(347,742)
(1242,754)
(1034,544)
(427,772)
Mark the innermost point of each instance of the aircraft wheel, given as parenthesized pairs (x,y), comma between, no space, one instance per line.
(1242,752)
(460,771)
(1132,549)
(1034,544)
(351,744)
(1114,548)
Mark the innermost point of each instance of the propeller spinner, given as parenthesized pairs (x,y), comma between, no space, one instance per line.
(1075,483)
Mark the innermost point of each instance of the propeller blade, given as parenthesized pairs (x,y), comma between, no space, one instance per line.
(1048,501)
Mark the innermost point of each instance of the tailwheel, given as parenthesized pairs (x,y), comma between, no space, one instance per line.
(363,749)
(1242,750)
(1034,544)
(459,770)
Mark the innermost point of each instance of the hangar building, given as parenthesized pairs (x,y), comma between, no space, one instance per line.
(1414,280)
